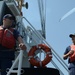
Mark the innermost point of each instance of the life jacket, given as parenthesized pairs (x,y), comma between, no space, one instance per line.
(72,57)
(7,38)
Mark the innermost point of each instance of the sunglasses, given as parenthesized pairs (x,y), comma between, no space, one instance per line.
(6,17)
(10,18)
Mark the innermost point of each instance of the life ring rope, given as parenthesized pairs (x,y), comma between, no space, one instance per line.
(30,57)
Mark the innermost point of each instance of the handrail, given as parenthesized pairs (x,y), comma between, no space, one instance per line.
(57,67)
(44,41)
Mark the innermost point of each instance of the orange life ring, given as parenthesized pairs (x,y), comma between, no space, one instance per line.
(47,58)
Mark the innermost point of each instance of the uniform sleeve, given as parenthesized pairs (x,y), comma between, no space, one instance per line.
(16,34)
(67,50)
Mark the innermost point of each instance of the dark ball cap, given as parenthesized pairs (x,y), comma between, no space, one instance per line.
(71,35)
(8,16)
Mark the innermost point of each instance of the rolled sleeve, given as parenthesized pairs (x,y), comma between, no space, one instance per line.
(16,34)
(67,50)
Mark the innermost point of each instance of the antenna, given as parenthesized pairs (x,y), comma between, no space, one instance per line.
(67,14)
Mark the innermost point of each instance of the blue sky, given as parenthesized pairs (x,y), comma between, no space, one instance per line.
(57,33)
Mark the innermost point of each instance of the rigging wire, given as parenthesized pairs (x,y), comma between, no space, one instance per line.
(45,17)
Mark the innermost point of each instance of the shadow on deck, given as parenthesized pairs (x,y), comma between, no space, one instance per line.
(40,71)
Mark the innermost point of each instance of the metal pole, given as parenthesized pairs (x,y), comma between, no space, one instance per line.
(20,62)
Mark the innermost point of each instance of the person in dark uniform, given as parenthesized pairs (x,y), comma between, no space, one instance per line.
(8,37)
(70,55)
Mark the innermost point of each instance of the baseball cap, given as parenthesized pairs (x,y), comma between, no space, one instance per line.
(71,35)
(8,16)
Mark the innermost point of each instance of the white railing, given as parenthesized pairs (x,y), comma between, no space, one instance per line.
(43,40)
(19,60)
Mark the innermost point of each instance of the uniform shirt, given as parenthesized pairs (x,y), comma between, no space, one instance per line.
(71,64)
(5,52)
